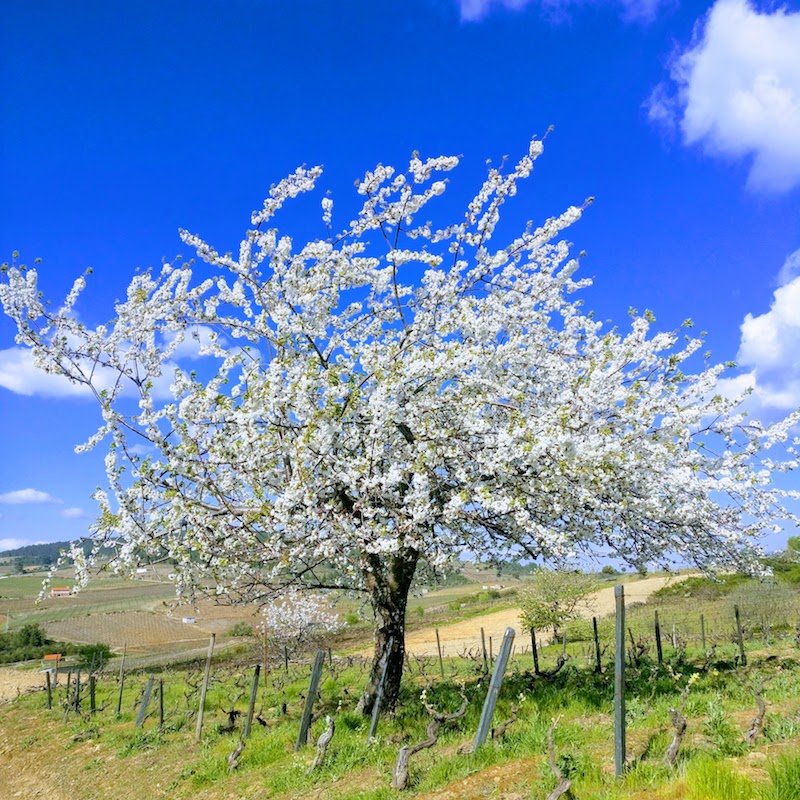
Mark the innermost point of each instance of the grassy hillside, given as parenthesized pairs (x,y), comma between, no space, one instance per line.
(102,755)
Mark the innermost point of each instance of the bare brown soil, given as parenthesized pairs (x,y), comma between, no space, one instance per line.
(14,682)
(464,636)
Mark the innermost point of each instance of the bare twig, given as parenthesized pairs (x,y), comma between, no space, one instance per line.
(233,758)
(758,720)
(560,661)
(400,774)
(563,787)
(500,730)
(679,722)
(709,659)
(322,744)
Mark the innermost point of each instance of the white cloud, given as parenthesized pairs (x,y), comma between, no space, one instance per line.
(196,340)
(737,91)
(75,513)
(18,374)
(790,268)
(28,497)
(140,449)
(473,10)
(12,544)
(769,349)
(640,10)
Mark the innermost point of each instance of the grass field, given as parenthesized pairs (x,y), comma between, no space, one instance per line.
(142,613)
(102,755)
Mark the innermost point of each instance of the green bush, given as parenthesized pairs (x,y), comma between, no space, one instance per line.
(91,655)
(30,642)
(552,598)
(702,587)
(241,629)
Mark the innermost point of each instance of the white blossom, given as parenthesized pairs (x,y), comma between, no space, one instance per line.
(400,389)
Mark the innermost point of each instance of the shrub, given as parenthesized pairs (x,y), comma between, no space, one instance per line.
(765,605)
(551,598)
(241,629)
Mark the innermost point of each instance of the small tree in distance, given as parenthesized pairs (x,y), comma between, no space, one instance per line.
(551,598)
(397,390)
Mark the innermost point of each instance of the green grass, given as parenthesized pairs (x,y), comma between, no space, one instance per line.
(784,775)
(708,779)
(713,761)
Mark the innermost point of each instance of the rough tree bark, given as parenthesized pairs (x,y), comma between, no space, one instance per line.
(388,580)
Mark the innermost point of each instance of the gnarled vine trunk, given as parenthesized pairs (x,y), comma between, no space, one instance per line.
(388,579)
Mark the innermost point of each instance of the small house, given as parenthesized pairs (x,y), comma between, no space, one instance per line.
(60,591)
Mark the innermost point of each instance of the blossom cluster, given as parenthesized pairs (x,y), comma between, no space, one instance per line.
(401,387)
(294,617)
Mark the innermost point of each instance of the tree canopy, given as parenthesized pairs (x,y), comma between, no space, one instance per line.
(550,598)
(397,390)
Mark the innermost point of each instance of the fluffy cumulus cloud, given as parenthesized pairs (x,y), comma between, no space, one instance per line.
(75,513)
(642,10)
(19,375)
(27,497)
(736,91)
(11,544)
(769,349)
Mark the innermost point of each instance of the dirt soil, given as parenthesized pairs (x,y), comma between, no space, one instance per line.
(464,636)
(14,682)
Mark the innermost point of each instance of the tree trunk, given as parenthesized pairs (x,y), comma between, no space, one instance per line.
(388,579)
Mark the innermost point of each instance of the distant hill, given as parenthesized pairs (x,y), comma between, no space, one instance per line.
(37,554)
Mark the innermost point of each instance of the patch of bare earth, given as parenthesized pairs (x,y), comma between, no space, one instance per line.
(14,682)
(464,636)
(510,781)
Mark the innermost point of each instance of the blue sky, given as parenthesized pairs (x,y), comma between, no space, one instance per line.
(122,122)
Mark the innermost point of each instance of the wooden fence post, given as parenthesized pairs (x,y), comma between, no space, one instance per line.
(92,683)
(376,707)
(535,652)
(77,703)
(598,665)
(49,690)
(305,722)
(204,689)
(439,649)
(160,702)
(658,642)
(485,655)
(251,706)
(619,682)
(494,689)
(265,657)
(145,700)
(121,678)
(740,635)
(703,631)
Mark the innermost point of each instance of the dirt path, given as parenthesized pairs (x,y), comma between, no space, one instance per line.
(464,636)
(15,681)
